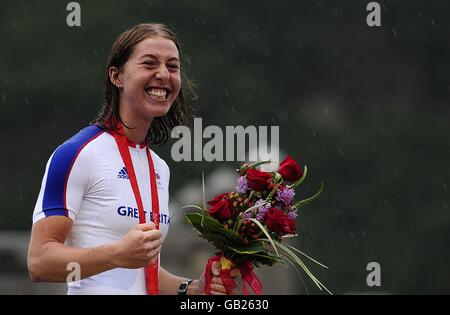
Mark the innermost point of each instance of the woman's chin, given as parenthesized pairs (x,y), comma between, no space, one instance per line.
(158,110)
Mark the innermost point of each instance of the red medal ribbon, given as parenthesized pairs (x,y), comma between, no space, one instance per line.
(247,274)
(151,272)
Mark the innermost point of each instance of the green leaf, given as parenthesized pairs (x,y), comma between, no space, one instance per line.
(298,272)
(301,179)
(204,223)
(308,200)
(185,207)
(274,190)
(260,163)
(297,260)
(203,190)
(312,259)
(266,233)
(252,248)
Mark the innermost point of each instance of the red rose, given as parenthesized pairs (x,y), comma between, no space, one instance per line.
(276,220)
(218,198)
(290,227)
(221,207)
(290,170)
(257,180)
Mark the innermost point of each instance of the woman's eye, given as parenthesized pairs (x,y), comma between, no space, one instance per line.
(149,63)
(173,66)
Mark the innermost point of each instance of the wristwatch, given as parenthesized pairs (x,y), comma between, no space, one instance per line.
(182,289)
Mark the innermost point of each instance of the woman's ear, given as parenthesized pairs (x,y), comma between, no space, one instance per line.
(115,77)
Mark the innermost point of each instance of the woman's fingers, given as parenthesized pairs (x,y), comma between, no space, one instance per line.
(217,285)
(215,268)
(235,273)
(217,289)
(217,280)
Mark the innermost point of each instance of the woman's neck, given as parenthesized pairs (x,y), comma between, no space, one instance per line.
(138,127)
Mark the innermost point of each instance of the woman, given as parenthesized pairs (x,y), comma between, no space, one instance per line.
(103,203)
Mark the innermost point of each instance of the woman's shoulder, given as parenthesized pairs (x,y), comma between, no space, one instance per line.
(76,146)
(81,138)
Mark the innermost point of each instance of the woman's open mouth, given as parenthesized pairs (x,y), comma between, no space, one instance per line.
(158,94)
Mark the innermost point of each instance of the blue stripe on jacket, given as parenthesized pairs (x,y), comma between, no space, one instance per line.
(59,169)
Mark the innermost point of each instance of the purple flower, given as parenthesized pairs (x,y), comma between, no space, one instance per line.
(248,215)
(285,195)
(260,217)
(291,215)
(262,210)
(242,186)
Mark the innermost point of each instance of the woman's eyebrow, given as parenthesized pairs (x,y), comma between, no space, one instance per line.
(173,59)
(148,55)
(154,57)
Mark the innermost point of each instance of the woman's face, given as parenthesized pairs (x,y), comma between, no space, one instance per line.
(150,80)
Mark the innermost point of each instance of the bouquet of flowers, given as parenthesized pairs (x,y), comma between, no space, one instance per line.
(248,225)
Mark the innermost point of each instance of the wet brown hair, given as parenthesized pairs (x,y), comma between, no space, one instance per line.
(180,112)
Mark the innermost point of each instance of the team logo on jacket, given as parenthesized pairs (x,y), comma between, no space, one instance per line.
(123,174)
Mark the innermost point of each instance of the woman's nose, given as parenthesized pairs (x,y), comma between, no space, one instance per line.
(163,74)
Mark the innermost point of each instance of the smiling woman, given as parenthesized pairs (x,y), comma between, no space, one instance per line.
(91,178)
(144,71)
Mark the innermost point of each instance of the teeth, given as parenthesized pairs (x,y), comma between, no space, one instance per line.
(159,94)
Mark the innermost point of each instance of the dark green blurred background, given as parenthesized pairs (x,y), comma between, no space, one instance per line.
(367,109)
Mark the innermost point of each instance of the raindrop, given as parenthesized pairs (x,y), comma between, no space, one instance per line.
(352,235)
(445,187)
(3,98)
(341,153)
(363,233)
(444,204)
(432,22)
(27,103)
(314,134)
(394,32)
(227,93)
(397,173)
(232,45)
(419,14)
